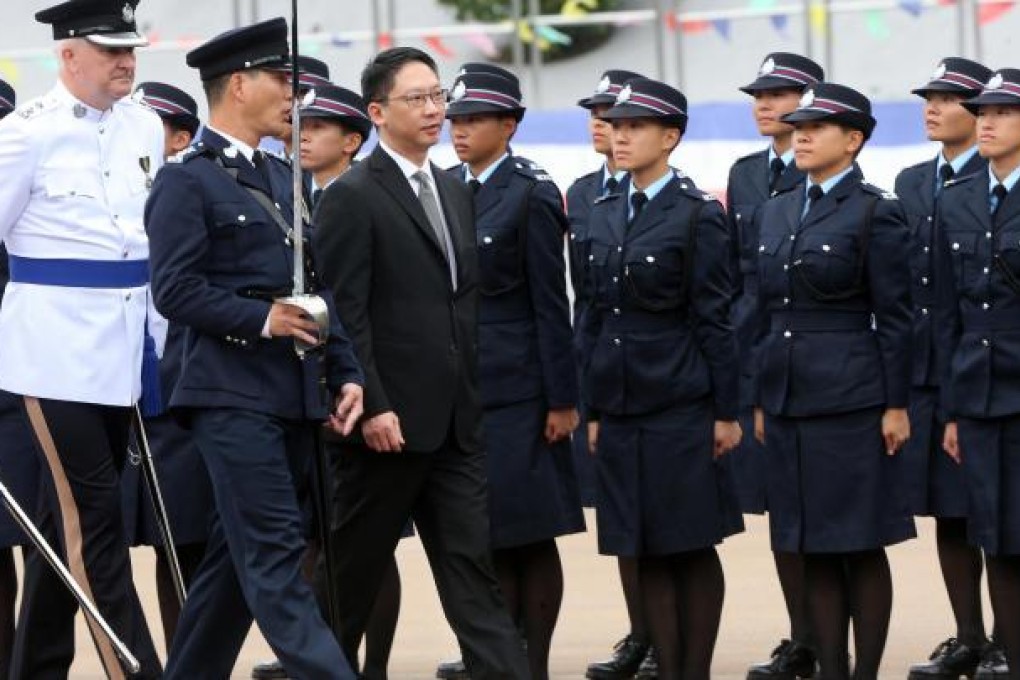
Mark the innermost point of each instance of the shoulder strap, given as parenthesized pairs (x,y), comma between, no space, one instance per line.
(263,201)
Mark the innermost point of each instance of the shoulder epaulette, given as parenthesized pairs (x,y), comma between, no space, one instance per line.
(872,189)
(39,105)
(688,187)
(454,167)
(196,150)
(754,155)
(531,170)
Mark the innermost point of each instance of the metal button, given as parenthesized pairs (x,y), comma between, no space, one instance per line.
(616,310)
(985,270)
(924,310)
(956,246)
(619,249)
(591,258)
(127,296)
(241,218)
(616,279)
(786,267)
(988,234)
(738,216)
(124,254)
(650,259)
(616,341)
(786,300)
(793,237)
(929,218)
(924,280)
(985,342)
(573,237)
(985,305)
(106,173)
(487,240)
(826,248)
(926,249)
(787,334)
(761,249)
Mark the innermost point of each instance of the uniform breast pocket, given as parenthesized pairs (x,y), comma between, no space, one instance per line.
(501,260)
(920,243)
(74,192)
(597,269)
(963,252)
(230,231)
(1007,260)
(827,265)
(770,262)
(654,278)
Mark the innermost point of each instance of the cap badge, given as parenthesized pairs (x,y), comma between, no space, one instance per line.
(939,71)
(624,95)
(461,72)
(808,99)
(309,98)
(767,67)
(459,90)
(995,83)
(128,13)
(603,85)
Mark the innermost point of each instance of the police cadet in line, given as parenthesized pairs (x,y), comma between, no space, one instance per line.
(76,164)
(334,126)
(19,469)
(312,73)
(833,377)
(978,275)
(934,484)
(661,379)
(633,649)
(782,79)
(527,376)
(187,493)
(222,257)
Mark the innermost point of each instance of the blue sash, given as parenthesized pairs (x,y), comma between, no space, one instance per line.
(99,274)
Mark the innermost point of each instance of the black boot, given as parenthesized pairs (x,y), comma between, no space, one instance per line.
(452,670)
(993,663)
(949,661)
(269,670)
(623,664)
(649,669)
(790,660)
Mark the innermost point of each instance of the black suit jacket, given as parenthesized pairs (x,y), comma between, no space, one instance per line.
(416,335)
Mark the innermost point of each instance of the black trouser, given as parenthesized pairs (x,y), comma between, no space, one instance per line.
(82,447)
(445,492)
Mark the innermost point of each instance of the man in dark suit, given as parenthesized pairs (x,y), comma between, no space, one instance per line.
(396,236)
(222,259)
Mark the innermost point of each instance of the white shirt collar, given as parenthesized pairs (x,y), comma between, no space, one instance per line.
(245,149)
(407,166)
(62,94)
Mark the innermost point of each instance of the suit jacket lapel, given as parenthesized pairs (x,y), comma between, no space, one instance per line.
(397,185)
(235,161)
(490,192)
(829,202)
(655,210)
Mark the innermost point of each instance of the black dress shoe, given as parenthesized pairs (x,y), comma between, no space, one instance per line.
(790,660)
(269,670)
(623,664)
(993,663)
(949,661)
(649,669)
(452,670)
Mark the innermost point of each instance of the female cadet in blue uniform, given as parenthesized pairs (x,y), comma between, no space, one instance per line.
(182,475)
(934,484)
(19,468)
(754,179)
(661,379)
(527,376)
(833,377)
(978,274)
(633,649)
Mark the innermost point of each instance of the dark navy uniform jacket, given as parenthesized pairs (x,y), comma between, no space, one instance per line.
(218,258)
(978,271)
(835,328)
(581,197)
(746,193)
(658,333)
(524,333)
(915,187)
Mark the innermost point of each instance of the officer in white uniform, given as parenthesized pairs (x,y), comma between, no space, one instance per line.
(77,164)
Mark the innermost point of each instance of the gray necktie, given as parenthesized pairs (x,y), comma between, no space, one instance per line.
(429,202)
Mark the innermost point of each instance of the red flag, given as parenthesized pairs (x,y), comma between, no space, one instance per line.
(436,44)
(385,41)
(993,11)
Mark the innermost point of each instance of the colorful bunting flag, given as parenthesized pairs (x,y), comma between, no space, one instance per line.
(987,13)
(818,17)
(436,44)
(876,23)
(9,71)
(722,27)
(780,22)
(912,7)
(484,43)
(553,36)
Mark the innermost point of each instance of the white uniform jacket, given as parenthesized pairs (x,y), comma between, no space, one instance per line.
(73,185)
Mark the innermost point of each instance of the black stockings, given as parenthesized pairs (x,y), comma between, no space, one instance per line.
(790,568)
(683,598)
(1004,587)
(961,571)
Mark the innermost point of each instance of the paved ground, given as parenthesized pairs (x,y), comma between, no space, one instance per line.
(593,615)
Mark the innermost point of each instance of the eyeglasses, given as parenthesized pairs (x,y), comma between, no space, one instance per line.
(416,100)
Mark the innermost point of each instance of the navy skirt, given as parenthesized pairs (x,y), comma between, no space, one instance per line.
(991,463)
(183,479)
(831,486)
(19,467)
(935,485)
(660,490)
(533,493)
(748,461)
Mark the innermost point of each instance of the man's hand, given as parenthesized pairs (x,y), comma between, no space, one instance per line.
(951,442)
(560,423)
(291,321)
(727,436)
(382,433)
(349,407)
(895,429)
(593,436)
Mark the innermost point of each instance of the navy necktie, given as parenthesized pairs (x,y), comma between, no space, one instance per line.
(610,186)
(814,193)
(637,203)
(998,197)
(946,173)
(776,169)
(475,185)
